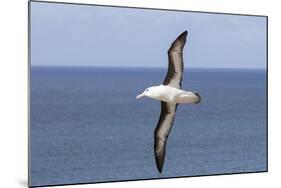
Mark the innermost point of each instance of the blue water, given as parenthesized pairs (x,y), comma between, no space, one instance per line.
(87,126)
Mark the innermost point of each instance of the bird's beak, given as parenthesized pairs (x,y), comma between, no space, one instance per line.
(140,96)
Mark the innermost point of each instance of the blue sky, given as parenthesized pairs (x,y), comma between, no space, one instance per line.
(77,35)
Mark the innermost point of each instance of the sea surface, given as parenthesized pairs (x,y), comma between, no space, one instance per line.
(87,126)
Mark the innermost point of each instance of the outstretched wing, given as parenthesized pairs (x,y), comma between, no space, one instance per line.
(162,131)
(175,70)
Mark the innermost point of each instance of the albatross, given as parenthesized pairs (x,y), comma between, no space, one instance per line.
(170,94)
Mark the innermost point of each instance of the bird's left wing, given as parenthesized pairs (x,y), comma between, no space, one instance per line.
(175,69)
(162,131)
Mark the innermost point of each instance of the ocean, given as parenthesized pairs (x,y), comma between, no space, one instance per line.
(87,126)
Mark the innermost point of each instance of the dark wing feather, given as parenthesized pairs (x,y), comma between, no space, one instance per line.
(162,131)
(175,69)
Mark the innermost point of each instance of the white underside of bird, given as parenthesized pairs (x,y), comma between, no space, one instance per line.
(170,94)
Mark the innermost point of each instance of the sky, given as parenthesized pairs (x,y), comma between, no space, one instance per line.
(81,35)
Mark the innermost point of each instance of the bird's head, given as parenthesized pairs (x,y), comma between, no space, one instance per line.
(148,92)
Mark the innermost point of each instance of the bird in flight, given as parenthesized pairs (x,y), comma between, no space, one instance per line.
(170,94)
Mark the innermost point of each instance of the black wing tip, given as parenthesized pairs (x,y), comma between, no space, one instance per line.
(159,158)
(179,43)
(183,35)
(160,168)
(159,163)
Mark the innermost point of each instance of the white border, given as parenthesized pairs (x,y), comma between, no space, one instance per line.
(13,99)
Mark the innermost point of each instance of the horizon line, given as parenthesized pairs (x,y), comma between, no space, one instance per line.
(147,67)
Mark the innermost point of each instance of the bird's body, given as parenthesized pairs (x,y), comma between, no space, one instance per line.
(170,94)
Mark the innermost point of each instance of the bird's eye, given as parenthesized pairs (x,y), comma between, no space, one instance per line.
(146,90)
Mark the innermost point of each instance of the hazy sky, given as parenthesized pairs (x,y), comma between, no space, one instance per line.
(63,34)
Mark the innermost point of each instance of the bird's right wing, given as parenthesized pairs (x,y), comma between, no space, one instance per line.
(175,69)
(162,131)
